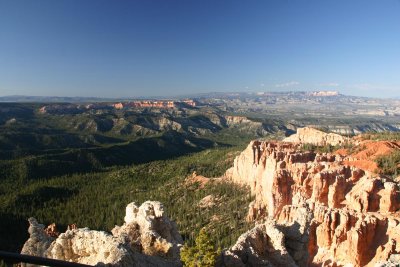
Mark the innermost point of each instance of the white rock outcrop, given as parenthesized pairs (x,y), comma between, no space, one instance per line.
(147,238)
(309,135)
(149,230)
(264,245)
(39,241)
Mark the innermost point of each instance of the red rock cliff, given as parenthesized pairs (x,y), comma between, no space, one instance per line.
(347,215)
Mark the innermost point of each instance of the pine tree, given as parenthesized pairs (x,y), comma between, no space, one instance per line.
(202,254)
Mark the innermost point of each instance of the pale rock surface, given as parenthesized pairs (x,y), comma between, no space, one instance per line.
(264,245)
(325,93)
(207,202)
(90,247)
(232,120)
(328,212)
(39,241)
(250,126)
(149,230)
(394,261)
(147,238)
(309,135)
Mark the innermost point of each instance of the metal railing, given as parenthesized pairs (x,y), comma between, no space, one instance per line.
(11,258)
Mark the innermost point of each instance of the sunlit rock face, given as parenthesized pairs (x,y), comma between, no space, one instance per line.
(328,212)
(315,137)
(149,230)
(147,238)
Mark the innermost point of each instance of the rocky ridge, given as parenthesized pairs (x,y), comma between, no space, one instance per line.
(147,238)
(312,136)
(328,213)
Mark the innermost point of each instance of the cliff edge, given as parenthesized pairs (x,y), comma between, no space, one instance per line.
(329,213)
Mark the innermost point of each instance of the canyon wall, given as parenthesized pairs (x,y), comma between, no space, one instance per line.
(329,213)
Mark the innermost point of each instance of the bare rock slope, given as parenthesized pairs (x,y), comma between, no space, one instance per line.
(329,213)
(315,137)
(147,238)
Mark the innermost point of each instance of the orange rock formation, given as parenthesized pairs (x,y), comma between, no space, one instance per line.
(51,230)
(348,215)
(367,151)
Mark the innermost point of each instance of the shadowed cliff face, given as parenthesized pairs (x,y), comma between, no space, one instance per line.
(329,212)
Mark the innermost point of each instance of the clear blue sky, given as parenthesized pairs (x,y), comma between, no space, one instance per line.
(135,48)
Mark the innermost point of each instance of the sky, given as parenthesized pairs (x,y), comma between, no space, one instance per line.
(169,47)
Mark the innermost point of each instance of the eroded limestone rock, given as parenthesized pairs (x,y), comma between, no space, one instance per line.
(316,137)
(147,238)
(39,241)
(149,230)
(264,245)
(330,213)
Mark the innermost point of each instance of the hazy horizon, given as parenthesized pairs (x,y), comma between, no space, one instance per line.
(181,96)
(110,49)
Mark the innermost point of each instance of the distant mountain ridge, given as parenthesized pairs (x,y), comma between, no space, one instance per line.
(72,99)
(223,95)
(47,99)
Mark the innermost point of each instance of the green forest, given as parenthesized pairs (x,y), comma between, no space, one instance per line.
(97,198)
(76,168)
(85,166)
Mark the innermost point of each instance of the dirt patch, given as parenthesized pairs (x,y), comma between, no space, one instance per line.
(367,165)
(194,178)
(374,149)
(207,202)
(342,152)
(367,152)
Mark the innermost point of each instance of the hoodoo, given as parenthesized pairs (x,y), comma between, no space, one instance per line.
(328,212)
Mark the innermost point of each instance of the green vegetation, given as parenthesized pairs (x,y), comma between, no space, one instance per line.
(319,149)
(84,167)
(35,145)
(98,199)
(327,148)
(383,136)
(389,164)
(203,254)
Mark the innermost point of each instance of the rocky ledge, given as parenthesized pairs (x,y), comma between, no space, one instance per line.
(147,238)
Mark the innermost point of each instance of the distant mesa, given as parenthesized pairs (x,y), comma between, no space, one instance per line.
(77,108)
(154,104)
(324,93)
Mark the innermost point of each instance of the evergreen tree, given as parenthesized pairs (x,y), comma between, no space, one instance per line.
(202,254)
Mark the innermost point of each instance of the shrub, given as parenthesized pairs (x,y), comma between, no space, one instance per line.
(389,164)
